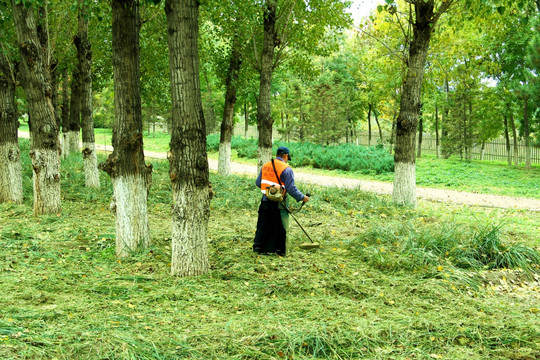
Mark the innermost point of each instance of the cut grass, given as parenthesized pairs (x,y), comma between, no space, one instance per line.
(66,296)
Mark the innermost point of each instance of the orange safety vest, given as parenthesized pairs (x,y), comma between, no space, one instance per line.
(268,176)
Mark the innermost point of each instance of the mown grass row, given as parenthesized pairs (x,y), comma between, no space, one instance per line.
(388,283)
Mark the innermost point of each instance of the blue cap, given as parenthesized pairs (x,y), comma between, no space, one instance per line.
(284,150)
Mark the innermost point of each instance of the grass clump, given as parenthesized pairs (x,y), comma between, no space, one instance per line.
(466,249)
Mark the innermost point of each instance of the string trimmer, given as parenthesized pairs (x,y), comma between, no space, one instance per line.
(305,245)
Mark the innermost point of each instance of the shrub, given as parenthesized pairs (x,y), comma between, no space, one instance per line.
(347,157)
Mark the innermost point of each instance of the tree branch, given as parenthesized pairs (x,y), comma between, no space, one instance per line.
(386,46)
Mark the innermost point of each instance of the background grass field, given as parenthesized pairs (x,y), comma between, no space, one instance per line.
(388,283)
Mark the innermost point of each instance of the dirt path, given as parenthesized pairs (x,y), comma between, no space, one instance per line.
(440,195)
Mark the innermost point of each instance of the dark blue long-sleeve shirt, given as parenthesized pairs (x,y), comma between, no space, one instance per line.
(287,179)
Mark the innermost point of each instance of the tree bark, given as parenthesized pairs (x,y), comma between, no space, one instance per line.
(37,85)
(130,177)
(84,56)
(188,162)
(10,154)
(231,83)
(71,133)
(404,192)
(264,114)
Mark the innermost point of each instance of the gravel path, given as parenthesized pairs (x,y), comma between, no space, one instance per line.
(440,195)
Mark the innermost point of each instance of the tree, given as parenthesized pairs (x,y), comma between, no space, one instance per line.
(36,82)
(265,68)
(188,163)
(84,56)
(423,21)
(286,36)
(10,155)
(131,178)
(231,85)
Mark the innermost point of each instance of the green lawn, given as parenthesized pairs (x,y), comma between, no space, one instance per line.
(388,283)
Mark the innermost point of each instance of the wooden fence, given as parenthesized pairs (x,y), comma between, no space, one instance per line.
(494,150)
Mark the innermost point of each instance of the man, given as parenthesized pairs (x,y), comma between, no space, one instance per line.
(273,220)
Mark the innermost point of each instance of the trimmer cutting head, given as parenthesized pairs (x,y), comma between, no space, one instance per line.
(309,245)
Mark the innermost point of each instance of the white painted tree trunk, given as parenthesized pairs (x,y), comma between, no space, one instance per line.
(438,151)
(10,173)
(46,165)
(74,146)
(264,155)
(404,184)
(65,145)
(224,161)
(189,232)
(91,172)
(132,230)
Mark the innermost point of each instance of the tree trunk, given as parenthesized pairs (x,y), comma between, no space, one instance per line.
(84,56)
(507,139)
(130,177)
(393,133)
(526,132)
(264,115)
(378,125)
(65,110)
(246,120)
(404,192)
(469,139)
(437,142)
(10,155)
(188,161)
(71,136)
(515,138)
(482,150)
(420,133)
(54,98)
(37,85)
(231,83)
(210,116)
(369,124)
(444,132)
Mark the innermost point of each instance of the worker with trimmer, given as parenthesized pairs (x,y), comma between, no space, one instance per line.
(276,181)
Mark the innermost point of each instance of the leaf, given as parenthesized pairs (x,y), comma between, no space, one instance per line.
(379,8)
(501,9)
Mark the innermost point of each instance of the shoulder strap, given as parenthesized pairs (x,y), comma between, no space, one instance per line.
(275,172)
